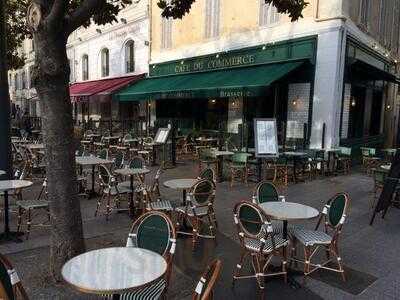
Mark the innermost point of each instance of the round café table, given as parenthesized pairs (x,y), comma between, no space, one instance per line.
(114,271)
(131,172)
(288,211)
(181,184)
(5,187)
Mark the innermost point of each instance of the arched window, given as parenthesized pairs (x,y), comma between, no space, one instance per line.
(130,57)
(105,62)
(85,67)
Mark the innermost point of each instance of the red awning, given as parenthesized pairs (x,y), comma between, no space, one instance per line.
(81,91)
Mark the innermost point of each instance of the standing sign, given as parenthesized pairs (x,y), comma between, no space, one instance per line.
(266,137)
(162,135)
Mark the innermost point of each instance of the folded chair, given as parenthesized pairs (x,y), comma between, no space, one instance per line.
(333,215)
(199,210)
(205,287)
(10,284)
(258,242)
(153,231)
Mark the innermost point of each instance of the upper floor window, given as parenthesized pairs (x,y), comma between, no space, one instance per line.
(268,14)
(105,62)
(130,57)
(85,67)
(212,18)
(30,79)
(16,86)
(23,79)
(166,33)
(365,11)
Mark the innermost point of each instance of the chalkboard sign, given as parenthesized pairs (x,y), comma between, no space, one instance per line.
(266,137)
(162,135)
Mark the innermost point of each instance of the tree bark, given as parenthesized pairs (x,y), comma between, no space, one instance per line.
(51,77)
(5,142)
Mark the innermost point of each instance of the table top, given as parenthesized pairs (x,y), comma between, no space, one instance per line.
(129,171)
(114,270)
(222,153)
(287,211)
(2,172)
(91,160)
(390,150)
(130,140)
(8,185)
(35,146)
(180,184)
(386,167)
(206,139)
(115,137)
(292,153)
(92,135)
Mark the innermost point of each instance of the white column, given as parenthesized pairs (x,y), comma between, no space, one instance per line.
(328,87)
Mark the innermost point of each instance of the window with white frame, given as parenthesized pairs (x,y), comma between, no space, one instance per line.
(130,56)
(166,33)
(85,67)
(105,62)
(268,14)
(365,12)
(212,21)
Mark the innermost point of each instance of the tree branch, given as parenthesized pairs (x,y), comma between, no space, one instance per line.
(57,12)
(82,14)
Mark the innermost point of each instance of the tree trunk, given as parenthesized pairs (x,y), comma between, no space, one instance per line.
(5,142)
(51,76)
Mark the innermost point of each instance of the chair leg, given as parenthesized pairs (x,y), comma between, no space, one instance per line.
(195,231)
(236,273)
(28,223)
(99,205)
(306,260)
(20,213)
(108,209)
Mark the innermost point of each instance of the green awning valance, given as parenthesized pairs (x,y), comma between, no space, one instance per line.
(235,82)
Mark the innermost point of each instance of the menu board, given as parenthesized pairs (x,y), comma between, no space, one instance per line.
(162,135)
(266,137)
(294,130)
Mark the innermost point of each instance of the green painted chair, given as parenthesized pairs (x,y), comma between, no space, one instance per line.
(11,287)
(207,174)
(119,160)
(344,159)
(333,217)
(103,154)
(258,242)
(153,231)
(137,162)
(207,158)
(369,159)
(239,168)
(199,210)
(379,175)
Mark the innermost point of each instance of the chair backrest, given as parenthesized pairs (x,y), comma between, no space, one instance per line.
(208,174)
(119,160)
(265,192)
(345,151)
(202,193)
(206,153)
(205,286)
(137,162)
(105,175)
(335,210)
(103,154)
(153,231)
(250,220)
(379,175)
(11,287)
(240,157)
(127,136)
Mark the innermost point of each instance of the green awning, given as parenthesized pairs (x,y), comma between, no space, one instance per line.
(235,82)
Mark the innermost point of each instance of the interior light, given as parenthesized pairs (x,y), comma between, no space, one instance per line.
(353,102)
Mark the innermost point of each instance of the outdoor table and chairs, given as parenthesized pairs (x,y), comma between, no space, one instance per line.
(133,173)
(114,271)
(181,184)
(5,187)
(296,157)
(220,167)
(93,162)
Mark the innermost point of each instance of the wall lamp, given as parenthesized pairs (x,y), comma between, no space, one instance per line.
(123,20)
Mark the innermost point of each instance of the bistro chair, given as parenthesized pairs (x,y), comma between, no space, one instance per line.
(205,287)
(11,286)
(27,208)
(282,171)
(199,210)
(369,160)
(152,197)
(258,242)
(153,231)
(266,192)
(137,162)
(208,174)
(103,154)
(119,160)
(344,159)
(111,192)
(333,215)
(379,176)
(238,167)
(207,157)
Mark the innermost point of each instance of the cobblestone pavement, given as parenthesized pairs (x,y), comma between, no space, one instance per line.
(370,252)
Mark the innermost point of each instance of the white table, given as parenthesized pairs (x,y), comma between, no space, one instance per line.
(2,172)
(114,271)
(132,172)
(35,146)
(386,167)
(288,211)
(92,161)
(6,186)
(181,184)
